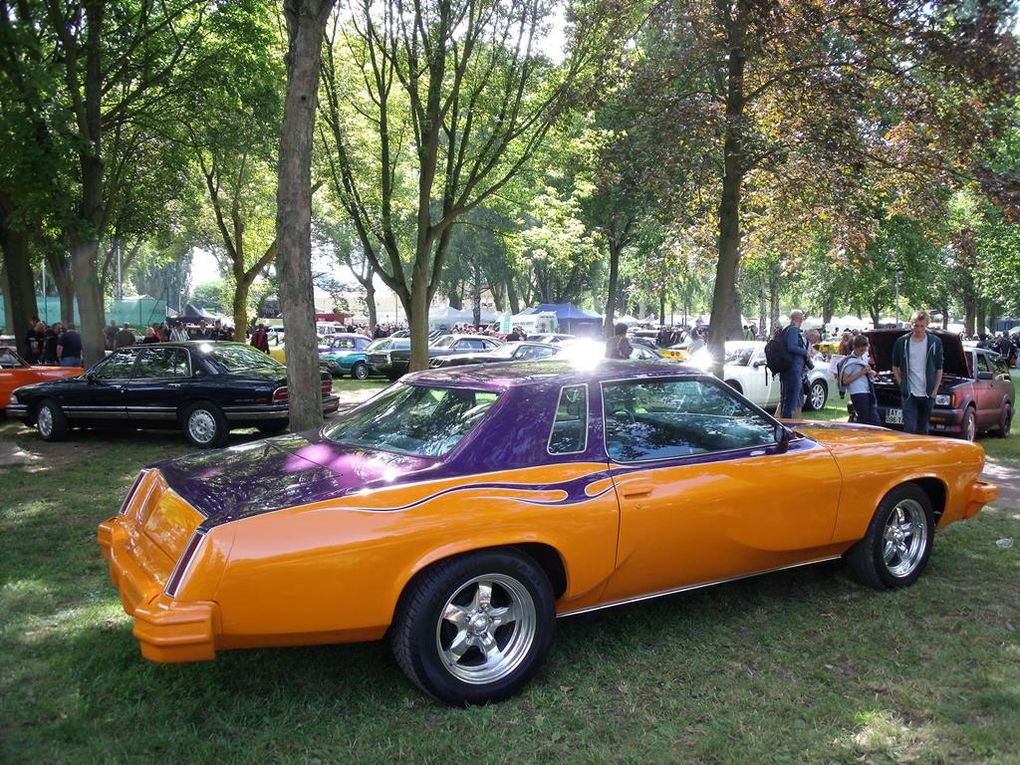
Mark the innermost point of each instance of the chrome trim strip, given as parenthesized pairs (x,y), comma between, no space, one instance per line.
(176,581)
(687,587)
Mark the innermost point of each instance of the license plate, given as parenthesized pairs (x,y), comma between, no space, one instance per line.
(894,416)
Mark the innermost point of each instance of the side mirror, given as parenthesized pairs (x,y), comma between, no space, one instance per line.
(782,435)
(759,363)
(985,376)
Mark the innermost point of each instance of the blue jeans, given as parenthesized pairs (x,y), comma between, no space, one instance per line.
(916,414)
(70,361)
(866,408)
(792,388)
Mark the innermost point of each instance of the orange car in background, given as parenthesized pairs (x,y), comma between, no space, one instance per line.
(459,511)
(15,372)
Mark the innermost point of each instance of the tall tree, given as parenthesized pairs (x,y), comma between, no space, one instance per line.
(306,27)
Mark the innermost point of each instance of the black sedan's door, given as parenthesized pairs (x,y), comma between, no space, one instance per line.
(158,386)
(99,400)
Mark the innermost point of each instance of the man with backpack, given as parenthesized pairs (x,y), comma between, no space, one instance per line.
(790,378)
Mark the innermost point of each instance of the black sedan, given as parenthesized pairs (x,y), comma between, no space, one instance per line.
(204,388)
(393,359)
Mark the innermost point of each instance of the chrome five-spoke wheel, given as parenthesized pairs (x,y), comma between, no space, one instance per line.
(474,628)
(905,538)
(486,629)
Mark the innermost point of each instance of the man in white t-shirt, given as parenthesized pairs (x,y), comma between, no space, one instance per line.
(917,366)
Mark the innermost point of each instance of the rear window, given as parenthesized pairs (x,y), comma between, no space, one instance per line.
(237,358)
(413,419)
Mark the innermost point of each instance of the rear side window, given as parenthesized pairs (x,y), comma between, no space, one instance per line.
(162,362)
(570,425)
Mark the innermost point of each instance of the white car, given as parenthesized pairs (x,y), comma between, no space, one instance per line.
(744,370)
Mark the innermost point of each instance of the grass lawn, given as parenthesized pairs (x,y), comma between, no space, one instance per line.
(801,666)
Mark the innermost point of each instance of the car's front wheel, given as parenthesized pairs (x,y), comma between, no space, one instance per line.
(968,428)
(818,394)
(898,542)
(50,421)
(360,371)
(1005,420)
(474,629)
(204,425)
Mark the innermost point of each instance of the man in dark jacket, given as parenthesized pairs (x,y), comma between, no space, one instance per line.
(917,367)
(792,387)
(125,336)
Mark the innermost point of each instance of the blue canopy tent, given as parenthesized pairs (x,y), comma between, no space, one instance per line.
(571,319)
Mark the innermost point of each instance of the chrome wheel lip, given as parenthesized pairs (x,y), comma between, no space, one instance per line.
(905,538)
(44,421)
(971,432)
(507,632)
(202,426)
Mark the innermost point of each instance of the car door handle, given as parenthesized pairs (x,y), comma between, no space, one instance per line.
(636,489)
(173,385)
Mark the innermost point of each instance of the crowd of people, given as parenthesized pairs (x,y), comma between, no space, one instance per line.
(53,344)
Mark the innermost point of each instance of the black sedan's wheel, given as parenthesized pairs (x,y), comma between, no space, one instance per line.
(204,425)
(50,421)
(818,394)
(359,371)
(968,428)
(896,547)
(475,629)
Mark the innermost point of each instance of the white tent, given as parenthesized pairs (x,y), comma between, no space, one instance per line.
(447,317)
(627,319)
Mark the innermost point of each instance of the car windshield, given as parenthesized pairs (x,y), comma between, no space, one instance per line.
(414,419)
(739,356)
(234,358)
(380,345)
(444,342)
(343,342)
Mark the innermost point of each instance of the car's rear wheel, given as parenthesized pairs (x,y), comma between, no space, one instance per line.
(475,629)
(968,428)
(359,371)
(204,425)
(50,421)
(898,542)
(1005,420)
(818,394)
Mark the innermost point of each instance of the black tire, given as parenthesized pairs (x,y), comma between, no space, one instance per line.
(273,428)
(735,385)
(1005,421)
(204,425)
(883,561)
(420,631)
(818,394)
(50,421)
(359,371)
(968,427)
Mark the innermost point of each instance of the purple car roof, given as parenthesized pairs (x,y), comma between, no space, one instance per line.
(513,374)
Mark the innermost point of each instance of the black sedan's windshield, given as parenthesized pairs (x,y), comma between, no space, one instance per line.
(414,419)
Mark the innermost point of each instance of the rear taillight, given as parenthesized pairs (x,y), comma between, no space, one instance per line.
(280,394)
(327,386)
(131,492)
(181,569)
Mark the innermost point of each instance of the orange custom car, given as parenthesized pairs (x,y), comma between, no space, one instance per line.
(15,372)
(460,511)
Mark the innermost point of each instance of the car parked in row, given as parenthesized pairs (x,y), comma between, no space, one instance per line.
(393,359)
(458,512)
(345,353)
(15,372)
(203,388)
(512,351)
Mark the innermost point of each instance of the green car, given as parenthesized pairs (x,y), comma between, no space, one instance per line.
(344,354)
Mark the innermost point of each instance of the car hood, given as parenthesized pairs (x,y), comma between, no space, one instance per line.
(275,473)
(954,357)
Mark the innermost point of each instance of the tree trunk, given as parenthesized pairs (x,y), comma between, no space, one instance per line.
(662,307)
(726,297)
(762,307)
(981,317)
(418,321)
(90,301)
(614,275)
(476,295)
(969,314)
(512,297)
(306,24)
(945,317)
(373,319)
(240,308)
(19,300)
(59,269)
(773,298)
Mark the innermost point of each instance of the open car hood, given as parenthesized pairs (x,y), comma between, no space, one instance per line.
(954,357)
(275,473)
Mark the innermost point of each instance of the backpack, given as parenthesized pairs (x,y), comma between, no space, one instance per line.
(777,355)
